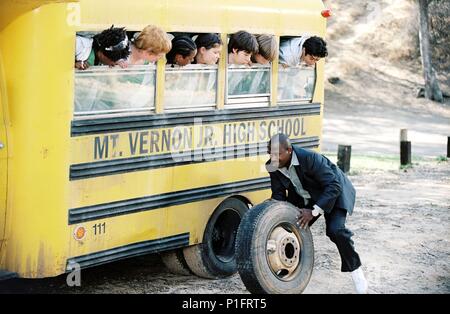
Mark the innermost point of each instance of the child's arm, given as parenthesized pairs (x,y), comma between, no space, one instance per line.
(122,63)
(81,65)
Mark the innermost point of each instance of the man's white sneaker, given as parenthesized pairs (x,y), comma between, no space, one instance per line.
(360,281)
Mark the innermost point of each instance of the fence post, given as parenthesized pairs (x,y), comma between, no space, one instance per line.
(448,146)
(344,154)
(405,148)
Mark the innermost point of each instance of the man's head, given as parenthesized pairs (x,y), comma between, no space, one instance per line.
(314,49)
(280,150)
(241,47)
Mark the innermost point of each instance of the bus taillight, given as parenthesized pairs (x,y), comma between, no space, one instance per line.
(326,13)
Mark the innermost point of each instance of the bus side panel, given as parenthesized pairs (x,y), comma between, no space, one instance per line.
(3,163)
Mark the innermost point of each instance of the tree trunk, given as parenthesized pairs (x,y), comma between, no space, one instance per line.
(432,90)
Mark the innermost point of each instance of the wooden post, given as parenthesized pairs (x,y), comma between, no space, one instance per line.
(403,135)
(448,146)
(405,148)
(344,154)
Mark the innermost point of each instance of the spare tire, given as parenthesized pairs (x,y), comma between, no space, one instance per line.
(273,254)
(215,256)
(175,262)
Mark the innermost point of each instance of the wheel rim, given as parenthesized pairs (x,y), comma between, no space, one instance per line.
(224,234)
(283,251)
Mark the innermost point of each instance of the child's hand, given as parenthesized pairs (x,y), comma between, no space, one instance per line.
(122,63)
(81,65)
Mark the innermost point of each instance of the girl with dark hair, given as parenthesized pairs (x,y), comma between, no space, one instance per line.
(110,47)
(183,51)
(208,48)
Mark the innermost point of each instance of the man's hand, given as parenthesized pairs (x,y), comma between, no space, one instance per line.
(304,217)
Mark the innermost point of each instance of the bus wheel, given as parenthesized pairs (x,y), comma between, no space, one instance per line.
(175,262)
(215,256)
(273,254)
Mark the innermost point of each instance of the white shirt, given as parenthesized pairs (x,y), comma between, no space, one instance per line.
(291,51)
(289,173)
(83,47)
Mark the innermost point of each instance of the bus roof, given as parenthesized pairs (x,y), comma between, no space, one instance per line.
(279,17)
(286,17)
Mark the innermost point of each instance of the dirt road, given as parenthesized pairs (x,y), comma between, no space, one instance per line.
(402,233)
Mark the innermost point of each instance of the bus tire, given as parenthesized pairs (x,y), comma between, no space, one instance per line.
(175,262)
(273,254)
(215,257)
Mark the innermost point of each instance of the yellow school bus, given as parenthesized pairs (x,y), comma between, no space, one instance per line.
(110,163)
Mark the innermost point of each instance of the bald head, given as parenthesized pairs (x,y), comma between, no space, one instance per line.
(279,140)
(280,150)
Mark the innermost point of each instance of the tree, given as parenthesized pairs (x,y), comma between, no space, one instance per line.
(432,90)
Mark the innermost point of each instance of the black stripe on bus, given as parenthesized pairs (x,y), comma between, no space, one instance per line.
(130,250)
(111,167)
(5,275)
(125,207)
(132,123)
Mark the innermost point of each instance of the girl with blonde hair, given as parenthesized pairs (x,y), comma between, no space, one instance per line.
(148,46)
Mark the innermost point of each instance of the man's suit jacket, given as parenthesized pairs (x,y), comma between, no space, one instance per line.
(328,186)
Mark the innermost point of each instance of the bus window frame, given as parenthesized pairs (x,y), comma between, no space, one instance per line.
(191,68)
(98,114)
(282,102)
(250,100)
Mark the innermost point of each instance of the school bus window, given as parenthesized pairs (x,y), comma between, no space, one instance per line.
(248,85)
(191,76)
(298,58)
(245,82)
(103,90)
(296,83)
(189,88)
(108,76)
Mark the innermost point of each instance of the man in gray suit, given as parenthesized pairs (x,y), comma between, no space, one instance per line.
(316,186)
